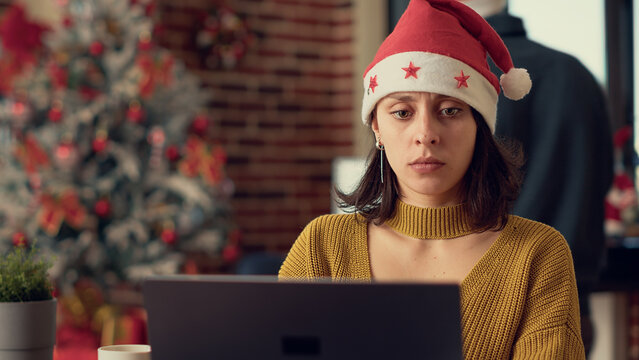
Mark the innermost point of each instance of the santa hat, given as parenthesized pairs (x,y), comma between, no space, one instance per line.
(440,46)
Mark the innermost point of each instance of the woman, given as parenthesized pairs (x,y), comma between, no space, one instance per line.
(433,204)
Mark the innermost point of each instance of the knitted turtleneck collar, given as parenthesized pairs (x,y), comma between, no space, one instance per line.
(430,223)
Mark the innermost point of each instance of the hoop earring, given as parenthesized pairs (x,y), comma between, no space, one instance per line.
(381,159)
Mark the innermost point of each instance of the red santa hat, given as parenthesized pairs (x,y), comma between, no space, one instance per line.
(440,46)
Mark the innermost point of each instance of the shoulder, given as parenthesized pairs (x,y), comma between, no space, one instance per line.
(535,236)
(333,224)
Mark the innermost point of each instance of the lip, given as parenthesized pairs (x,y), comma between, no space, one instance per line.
(424,165)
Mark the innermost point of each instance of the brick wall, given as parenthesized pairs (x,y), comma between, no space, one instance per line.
(283,113)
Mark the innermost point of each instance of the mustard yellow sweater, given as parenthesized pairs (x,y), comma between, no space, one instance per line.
(518,302)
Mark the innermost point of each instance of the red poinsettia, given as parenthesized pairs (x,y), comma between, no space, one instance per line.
(21,40)
(21,37)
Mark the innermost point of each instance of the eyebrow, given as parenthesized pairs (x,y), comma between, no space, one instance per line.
(402,97)
(410,97)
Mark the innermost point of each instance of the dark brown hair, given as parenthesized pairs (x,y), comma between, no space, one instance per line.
(490,185)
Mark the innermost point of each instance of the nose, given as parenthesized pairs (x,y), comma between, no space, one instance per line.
(427,131)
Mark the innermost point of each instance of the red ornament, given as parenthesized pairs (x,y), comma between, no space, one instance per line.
(149,9)
(190,267)
(67,22)
(135,114)
(89,93)
(18,108)
(200,124)
(145,43)
(20,239)
(219,155)
(156,136)
(169,236)
(102,208)
(96,48)
(58,74)
(159,30)
(173,153)
(621,136)
(55,114)
(231,253)
(99,144)
(65,150)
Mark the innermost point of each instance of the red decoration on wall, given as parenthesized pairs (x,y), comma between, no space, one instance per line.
(222,38)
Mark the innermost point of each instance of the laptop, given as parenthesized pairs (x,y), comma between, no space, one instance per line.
(221,317)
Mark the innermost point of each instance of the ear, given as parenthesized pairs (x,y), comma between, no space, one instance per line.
(375,124)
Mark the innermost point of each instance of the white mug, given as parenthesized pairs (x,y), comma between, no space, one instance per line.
(124,352)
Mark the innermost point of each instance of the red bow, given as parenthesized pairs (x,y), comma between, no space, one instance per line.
(54,211)
(31,155)
(154,71)
(200,159)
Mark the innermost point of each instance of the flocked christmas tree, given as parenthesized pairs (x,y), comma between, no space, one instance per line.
(106,155)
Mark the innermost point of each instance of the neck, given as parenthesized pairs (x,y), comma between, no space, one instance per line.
(447,198)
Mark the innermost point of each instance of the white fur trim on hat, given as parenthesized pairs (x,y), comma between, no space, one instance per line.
(436,74)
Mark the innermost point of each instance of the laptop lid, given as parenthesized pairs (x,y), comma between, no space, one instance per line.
(257,317)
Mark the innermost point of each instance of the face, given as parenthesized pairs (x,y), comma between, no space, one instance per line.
(429,141)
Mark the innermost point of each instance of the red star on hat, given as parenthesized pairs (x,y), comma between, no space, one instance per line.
(461,80)
(411,70)
(373,83)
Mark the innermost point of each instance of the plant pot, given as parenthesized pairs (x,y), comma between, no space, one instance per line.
(27,330)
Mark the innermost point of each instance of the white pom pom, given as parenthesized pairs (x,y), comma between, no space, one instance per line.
(515,83)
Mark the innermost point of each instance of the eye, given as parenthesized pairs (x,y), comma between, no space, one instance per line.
(401,114)
(449,112)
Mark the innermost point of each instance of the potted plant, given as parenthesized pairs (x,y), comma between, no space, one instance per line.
(27,307)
